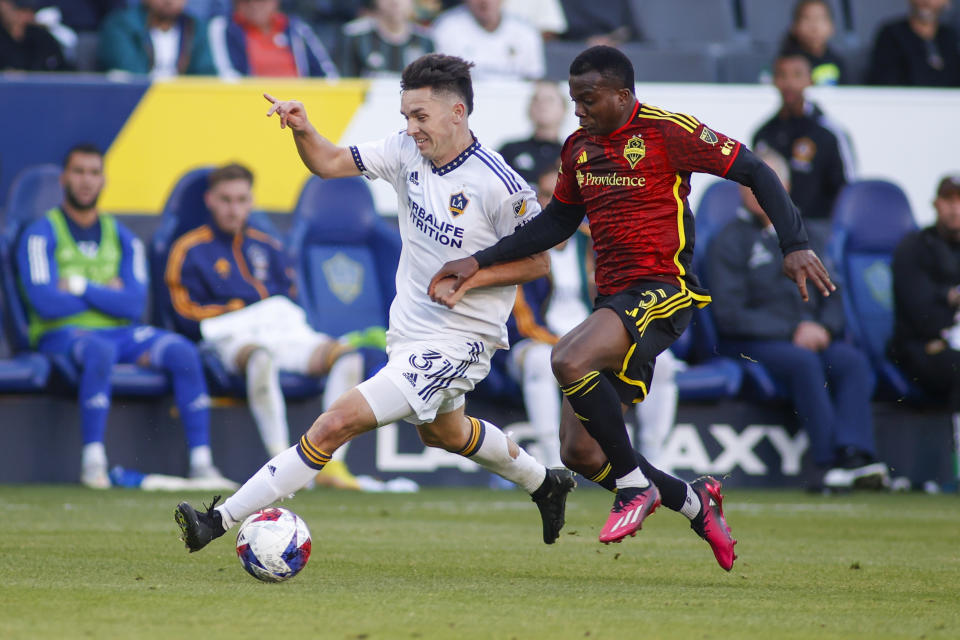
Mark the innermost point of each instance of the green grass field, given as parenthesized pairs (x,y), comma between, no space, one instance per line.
(469,563)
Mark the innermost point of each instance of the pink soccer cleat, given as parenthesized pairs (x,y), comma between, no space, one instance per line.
(630,507)
(710,523)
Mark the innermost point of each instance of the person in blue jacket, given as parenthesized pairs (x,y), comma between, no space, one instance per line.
(231,285)
(84,279)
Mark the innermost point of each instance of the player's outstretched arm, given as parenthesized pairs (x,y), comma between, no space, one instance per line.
(556,223)
(502,274)
(799,263)
(320,156)
(804,265)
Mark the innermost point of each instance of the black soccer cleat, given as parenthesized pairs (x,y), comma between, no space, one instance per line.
(551,499)
(198,529)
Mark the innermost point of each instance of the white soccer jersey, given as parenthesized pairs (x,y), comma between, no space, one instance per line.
(446,213)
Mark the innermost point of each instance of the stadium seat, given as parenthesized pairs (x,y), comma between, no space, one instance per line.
(345,255)
(33,192)
(866,17)
(718,207)
(25,371)
(671,65)
(185,210)
(694,23)
(746,67)
(558,55)
(870,217)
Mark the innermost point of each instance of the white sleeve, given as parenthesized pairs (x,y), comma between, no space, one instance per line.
(514,211)
(382,158)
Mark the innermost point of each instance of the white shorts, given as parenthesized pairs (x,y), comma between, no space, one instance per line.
(431,376)
(277,324)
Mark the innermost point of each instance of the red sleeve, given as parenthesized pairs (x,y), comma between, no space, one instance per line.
(701,150)
(568,189)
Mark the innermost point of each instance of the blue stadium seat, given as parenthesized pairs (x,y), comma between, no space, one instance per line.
(183,211)
(345,254)
(25,371)
(655,64)
(33,192)
(870,217)
(717,208)
(693,23)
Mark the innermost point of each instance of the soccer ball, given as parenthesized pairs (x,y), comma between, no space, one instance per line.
(273,544)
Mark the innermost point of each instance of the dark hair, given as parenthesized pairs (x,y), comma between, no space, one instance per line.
(802,4)
(787,54)
(440,73)
(232,171)
(609,62)
(81,147)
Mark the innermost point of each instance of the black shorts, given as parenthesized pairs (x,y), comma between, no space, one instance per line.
(655,315)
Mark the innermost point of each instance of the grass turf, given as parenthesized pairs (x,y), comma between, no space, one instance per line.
(469,563)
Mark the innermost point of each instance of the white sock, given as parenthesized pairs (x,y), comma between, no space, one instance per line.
(201,457)
(494,455)
(633,479)
(541,399)
(266,402)
(93,455)
(691,505)
(345,374)
(282,475)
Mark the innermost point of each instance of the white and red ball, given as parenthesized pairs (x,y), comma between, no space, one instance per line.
(273,544)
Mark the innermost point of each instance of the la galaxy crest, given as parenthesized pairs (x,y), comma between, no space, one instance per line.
(634,151)
(458,203)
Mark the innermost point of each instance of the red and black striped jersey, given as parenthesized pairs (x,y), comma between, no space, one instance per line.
(634,184)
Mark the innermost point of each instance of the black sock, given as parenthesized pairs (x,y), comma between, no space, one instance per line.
(673,491)
(597,405)
(604,478)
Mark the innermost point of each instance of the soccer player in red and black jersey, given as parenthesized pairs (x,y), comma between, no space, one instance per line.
(627,168)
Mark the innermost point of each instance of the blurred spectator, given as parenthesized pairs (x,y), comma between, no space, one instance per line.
(809,35)
(230,284)
(260,40)
(85,15)
(545,15)
(916,50)
(541,151)
(24,44)
(760,316)
(383,42)
(820,156)
(500,45)
(327,17)
(155,37)
(926,300)
(609,22)
(84,280)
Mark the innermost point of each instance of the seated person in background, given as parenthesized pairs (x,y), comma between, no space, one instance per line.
(24,44)
(260,40)
(760,316)
(85,15)
(382,42)
(550,307)
(540,152)
(926,300)
(231,285)
(916,50)
(546,16)
(820,156)
(155,37)
(809,35)
(500,46)
(84,277)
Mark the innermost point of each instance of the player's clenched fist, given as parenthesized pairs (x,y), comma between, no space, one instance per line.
(292,113)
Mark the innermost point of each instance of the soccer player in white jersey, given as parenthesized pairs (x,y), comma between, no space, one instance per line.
(455,197)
